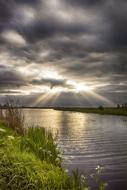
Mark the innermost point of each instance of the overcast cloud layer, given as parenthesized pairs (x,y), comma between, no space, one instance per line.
(49,47)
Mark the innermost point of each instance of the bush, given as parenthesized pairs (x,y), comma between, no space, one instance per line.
(101,108)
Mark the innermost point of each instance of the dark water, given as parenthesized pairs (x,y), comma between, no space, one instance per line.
(88,140)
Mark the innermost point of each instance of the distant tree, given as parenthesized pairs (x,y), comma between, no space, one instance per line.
(124,105)
(101,107)
(118,105)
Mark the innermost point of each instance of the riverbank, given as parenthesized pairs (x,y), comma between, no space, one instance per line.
(28,162)
(31,161)
(101,110)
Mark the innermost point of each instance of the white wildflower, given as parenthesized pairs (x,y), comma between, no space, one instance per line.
(49,152)
(10,137)
(98,167)
(2,130)
(57,160)
(66,170)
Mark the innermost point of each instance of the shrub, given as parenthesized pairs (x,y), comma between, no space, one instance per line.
(101,108)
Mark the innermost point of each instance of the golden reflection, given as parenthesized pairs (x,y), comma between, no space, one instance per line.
(53,122)
(72,124)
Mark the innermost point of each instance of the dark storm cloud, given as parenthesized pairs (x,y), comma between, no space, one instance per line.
(5,11)
(101,67)
(113,74)
(29,2)
(114,13)
(45,25)
(84,40)
(9,92)
(50,27)
(84,3)
(52,82)
(113,88)
(5,14)
(118,21)
(11,79)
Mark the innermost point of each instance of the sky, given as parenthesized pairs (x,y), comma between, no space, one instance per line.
(63,52)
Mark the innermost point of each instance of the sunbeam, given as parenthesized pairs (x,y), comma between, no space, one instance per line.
(44,98)
(91,97)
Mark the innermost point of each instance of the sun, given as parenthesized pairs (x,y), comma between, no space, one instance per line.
(79,87)
(82,88)
(51,74)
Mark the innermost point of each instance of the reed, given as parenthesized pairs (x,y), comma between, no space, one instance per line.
(14,116)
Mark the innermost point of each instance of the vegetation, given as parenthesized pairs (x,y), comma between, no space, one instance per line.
(99,110)
(20,168)
(42,144)
(14,116)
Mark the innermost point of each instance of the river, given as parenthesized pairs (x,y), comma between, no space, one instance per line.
(88,140)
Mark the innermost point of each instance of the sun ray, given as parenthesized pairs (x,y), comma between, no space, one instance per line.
(86,97)
(44,98)
(102,98)
(91,97)
(55,98)
(78,99)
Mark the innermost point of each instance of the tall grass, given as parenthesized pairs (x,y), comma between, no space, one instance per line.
(1,114)
(42,144)
(14,116)
(20,170)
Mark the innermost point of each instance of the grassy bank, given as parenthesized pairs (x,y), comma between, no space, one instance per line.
(101,110)
(29,163)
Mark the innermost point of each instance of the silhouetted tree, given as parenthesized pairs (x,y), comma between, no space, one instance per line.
(118,105)
(101,107)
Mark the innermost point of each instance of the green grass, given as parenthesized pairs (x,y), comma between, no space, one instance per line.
(22,165)
(42,144)
(105,111)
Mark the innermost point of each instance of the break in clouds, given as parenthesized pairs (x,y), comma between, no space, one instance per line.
(50,50)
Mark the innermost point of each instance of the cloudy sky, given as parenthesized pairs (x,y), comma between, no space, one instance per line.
(63,52)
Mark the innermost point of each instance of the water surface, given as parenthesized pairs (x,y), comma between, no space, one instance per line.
(88,140)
